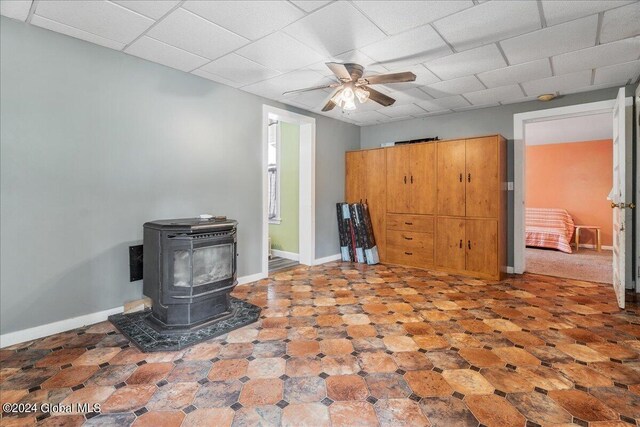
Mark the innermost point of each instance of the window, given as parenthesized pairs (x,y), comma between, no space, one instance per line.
(273,171)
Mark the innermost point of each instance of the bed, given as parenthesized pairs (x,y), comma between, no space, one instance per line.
(549,228)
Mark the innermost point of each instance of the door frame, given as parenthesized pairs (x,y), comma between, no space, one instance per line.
(307,187)
(519,122)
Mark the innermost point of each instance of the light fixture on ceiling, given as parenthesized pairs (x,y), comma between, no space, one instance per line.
(351,85)
(546,97)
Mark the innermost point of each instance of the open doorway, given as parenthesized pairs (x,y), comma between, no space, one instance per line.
(288,190)
(283,169)
(568,177)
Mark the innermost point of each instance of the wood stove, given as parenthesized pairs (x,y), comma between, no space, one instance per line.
(189,271)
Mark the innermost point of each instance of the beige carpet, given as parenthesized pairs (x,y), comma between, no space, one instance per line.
(586,264)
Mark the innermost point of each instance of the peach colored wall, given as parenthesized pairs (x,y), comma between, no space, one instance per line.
(574,176)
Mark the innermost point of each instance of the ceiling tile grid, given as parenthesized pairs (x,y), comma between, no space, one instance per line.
(465,54)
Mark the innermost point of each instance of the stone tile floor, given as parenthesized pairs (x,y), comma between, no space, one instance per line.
(352,345)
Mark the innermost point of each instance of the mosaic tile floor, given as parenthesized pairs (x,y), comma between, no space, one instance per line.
(347,345)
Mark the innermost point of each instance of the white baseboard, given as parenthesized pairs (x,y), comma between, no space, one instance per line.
(284,254)
(590,246)
(56,327)
(45,330)
(251,278)
(326,259)
(510,269)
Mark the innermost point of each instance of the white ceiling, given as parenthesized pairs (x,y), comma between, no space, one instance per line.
(574,129)
(466,54)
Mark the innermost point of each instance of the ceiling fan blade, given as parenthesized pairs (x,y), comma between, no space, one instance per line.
(388,78)
(308,89)
(379,97)
(355,71)
(340,70)
(329,105)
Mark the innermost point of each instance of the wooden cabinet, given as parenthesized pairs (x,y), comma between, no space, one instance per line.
(365,181)
(439,204)
(411,178)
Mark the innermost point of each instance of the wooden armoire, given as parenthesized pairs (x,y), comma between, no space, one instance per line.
(436,205)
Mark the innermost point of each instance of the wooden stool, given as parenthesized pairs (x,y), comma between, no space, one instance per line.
(588,227)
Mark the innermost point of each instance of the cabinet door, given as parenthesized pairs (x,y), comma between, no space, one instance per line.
(483,186)
(375,182)
(398,179)
(481,246)
(450,240)
(422,179)
(355,176)
(451,172)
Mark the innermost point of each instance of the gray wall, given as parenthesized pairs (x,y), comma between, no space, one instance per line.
(95,142)
(485,121)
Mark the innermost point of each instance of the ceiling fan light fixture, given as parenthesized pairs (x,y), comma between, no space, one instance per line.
(362,95)
(347,94)
(349,105)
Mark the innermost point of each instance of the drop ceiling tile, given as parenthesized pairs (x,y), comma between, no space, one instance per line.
(276,86)
(102,18)
(74,32)
(162,53)
(310,5)
(194,34)
(402,110)
(454,87)
(494,95)
(335,29)
(354,56)
(409,48)
(475,107)
(590,88)
(368,117)
(153,9)
(239,69)
(558,11)
(565,82)
(409,96)
(280,52)
(15,9)
(311,100)
(519,100)
(397,16)
(201,73)
(441,104)
(598,56)
(567,37)
(250,19)
(617,74)
(527,71)
(489,22)
(472,61)
(620,23)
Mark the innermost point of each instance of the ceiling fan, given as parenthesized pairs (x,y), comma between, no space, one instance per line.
(352,85)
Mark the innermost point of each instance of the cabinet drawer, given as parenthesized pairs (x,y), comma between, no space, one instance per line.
(419,223)
(417,257)
(409,239)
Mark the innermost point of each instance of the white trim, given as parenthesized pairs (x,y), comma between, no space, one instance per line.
(326,259)
(509,269)
(287,255)
(251,278)
(307,200)
(519,121)
(47,329)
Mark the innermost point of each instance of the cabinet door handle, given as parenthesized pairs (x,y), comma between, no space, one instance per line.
(408,253)
(460,243)
(469,178)
(405,179)
(469,244)
(412,179)
(408,223)
(461,177)
(407,238)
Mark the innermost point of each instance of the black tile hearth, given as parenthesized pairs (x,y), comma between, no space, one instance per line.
(138,328)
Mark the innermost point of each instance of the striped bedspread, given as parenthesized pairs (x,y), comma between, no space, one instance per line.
(549,228)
